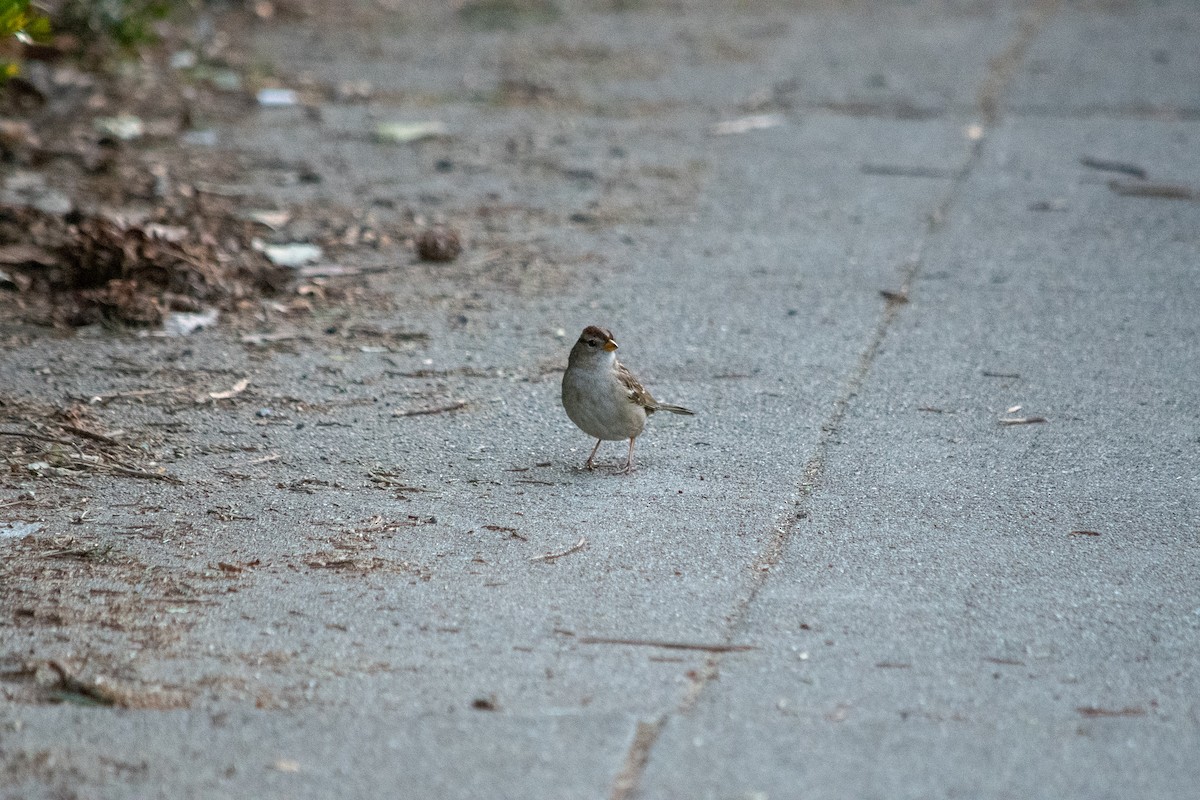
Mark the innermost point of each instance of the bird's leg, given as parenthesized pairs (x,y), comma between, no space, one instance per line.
(628,468)
(589,464)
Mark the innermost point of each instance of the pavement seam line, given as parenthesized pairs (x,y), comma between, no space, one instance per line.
(625,785)
(1000,73)
(644,737)
(1002,68)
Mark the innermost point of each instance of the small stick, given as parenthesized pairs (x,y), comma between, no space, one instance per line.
(230,393)
(130,472)
(419,412)
(85,433)
(1022,420)
(572,549)
(220,191)
(39,436)
(268,338)
(69,684)
(708,648)
(901,171)
(1097,711)
(105,398)
(1166,191)
(44,438)
(1112,166)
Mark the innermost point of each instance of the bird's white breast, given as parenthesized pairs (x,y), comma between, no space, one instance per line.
(597,402)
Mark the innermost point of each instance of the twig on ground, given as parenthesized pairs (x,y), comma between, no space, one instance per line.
(1098,711)
(39,436)
(572,549)
(903,171)
(104,399)
(260,339)
(94,553)
(419,412)
(708,648)
(513,533)
(1164,191)
(230,393)
(69,687)
(43,438)
(86,434)
(131,472)
(1106,165)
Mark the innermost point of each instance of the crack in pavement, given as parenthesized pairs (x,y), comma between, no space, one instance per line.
(1000,73)
(1002,68)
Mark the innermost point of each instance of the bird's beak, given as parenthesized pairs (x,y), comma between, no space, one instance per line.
(610,345)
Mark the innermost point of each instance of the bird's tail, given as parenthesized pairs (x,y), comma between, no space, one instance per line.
(674,409)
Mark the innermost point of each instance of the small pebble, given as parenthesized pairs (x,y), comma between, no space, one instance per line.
(439,243)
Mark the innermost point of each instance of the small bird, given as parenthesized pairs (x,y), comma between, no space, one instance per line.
(602,397)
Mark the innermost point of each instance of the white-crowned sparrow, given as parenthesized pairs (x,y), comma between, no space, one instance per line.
(602,397)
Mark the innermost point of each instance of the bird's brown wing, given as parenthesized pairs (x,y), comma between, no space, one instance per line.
(637,393)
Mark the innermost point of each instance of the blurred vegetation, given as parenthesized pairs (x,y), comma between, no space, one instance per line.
(125,24)
(97,27)
(25,25)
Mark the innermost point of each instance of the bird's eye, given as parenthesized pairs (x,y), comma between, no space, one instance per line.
(591,342)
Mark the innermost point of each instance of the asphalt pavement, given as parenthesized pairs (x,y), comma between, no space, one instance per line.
(934,530)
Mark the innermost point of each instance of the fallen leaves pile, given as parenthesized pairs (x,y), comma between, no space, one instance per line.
(80,269)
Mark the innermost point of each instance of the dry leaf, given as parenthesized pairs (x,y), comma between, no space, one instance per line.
(237,389)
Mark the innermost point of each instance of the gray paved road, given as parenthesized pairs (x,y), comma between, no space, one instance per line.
(936,604)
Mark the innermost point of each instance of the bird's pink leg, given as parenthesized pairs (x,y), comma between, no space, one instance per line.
(625,470)
(589,464)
